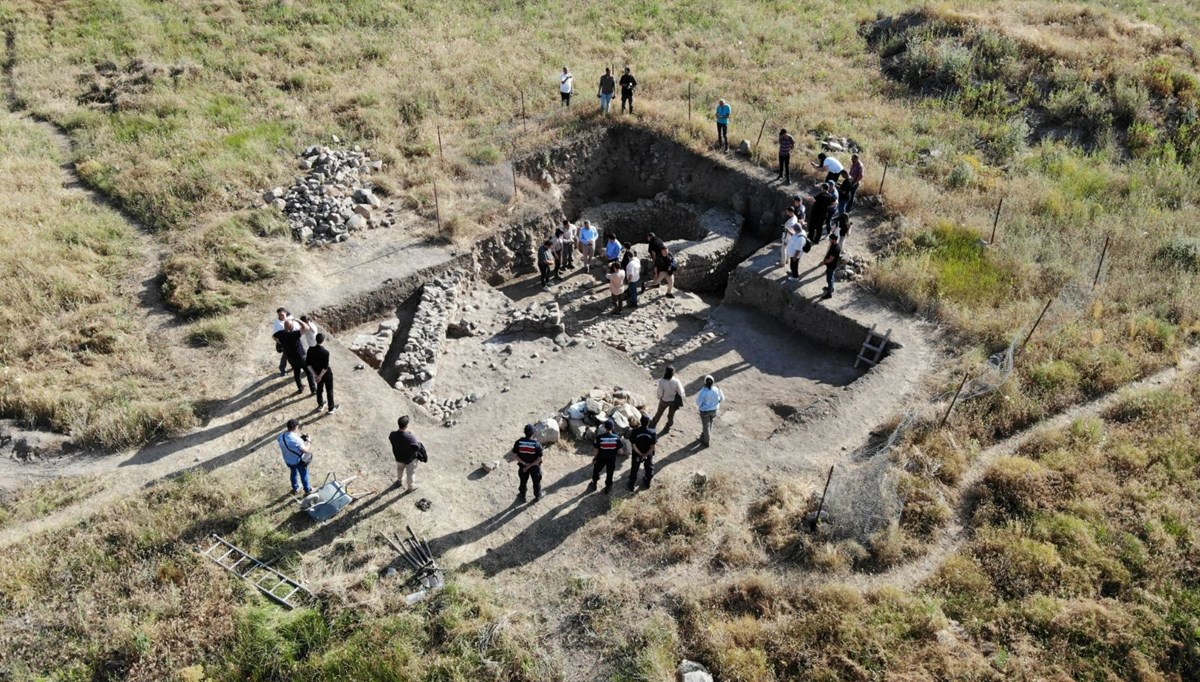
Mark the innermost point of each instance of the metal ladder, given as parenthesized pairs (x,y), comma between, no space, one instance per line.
(270,582)
(873,347)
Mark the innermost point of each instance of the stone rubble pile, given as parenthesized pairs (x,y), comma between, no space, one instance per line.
(538,318)
(330,201)
(416,365)
(839,144)
(445,409)
(852,268)
(372,348)
(583,416)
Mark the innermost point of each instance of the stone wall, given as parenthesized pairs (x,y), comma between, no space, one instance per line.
(621,162)
(416,363)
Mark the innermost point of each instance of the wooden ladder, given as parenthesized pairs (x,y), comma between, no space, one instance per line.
(873,347)
(270,582)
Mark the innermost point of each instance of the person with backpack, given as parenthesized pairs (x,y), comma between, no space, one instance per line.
(670,398)
(296,455)
(608,444)
(407,451)
(709,400)
(642,441)
(832,258)
(529,463)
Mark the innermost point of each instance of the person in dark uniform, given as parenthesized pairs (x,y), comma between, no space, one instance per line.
(608,444)
(529,463)
(822,208)
(291,337)
(642,441)
(318,366)
(628,84)
(545,256)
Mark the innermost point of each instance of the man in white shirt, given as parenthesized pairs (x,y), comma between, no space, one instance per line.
(310,336)
(795,249)
(568,243)
(833,167)
(566,86)
(633,275)
(670,398)
(281,317)
(790,227)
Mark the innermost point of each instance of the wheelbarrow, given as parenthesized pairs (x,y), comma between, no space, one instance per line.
(325,502)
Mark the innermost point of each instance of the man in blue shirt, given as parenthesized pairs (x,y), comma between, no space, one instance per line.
(587,243)
(709,401)
(612,250)
(642,441)
(529,463)
(723,111)
(296,455)
(608,444)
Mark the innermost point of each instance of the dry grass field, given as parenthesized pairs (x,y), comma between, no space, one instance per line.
(1084,119)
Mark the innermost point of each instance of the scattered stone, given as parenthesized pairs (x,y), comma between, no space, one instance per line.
(744,148)
(691,671)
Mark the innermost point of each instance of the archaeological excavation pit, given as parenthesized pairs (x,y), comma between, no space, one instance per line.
(470,329)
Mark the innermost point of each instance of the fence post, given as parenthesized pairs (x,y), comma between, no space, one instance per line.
(437,209)
(1035,326)
(441,152)
(996,221)
(760,134)
(812,525)
(884,178)
(1100,265)
(953,400)
(514,173)
(524,118)
(689,102)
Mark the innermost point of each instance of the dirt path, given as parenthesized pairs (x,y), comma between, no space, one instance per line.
(910,575)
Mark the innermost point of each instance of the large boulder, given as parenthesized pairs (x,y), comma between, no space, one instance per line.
(691,671)
(547,431)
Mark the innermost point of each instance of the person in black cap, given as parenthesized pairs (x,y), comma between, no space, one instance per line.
(608,444)
(642,441)
(529,463)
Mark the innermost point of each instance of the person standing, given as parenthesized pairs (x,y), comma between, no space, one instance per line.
(723,112)
(568,240)
(318,365)
(296,455)
(407,451)
(587,243)
(281,318)
(856,177)
(790,227)
(844,226)
(566,86)
(628,83)
(831,187)
(529,463)
(670,398)
(616,286)
(608,444)
(821,208)
(832,166)
(786,144)
(664,264)
(545,259)
(832,258)
(642,441)
(608,87)
(656,245)
(795,250)
(556,248)
(291,337)
(633,274)
(709,401)
(310,334)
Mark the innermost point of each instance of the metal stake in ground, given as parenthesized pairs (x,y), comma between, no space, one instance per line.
(437,209)
(689,102)
(441,152)
(953,401)
(524,120)
(1035,326)
(884,178)
(514,172)
(1100,265)
(996,221)
(812,525)
(760,134)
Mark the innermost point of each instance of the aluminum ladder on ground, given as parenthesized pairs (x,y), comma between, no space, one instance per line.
(873,347)
(270,582)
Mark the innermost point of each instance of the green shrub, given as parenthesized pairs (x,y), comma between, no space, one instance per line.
(1182,253)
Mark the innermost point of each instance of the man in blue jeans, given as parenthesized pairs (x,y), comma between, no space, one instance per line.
(832,258)
(608,87)
(723,112)
(296,455)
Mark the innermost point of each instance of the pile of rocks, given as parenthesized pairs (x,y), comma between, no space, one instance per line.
(840,144)
(445,409)
(583,416)
(329,202)
(372,348)
(417,362)
(538,318)
(852,268)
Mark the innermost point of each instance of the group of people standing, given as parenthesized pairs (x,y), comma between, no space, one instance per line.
(622,264)
(604,91)
(826,212)
(300,344)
